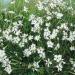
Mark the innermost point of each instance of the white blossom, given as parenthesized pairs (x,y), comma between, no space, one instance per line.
(5,62)
(59,67)
(30,37)
(57,58)
(48,62)
(37,38)
(27,52)
(40,5)
(72,48)
(50,44)
(25,9)
(35,66)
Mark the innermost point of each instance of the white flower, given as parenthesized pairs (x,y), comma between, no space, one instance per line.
(48,24)
(24,35)
(30,37)
(57,58)
(25,9)
(73,64)
(15,23)
(6,34)
(65,35)
(49,17)
(6,20)
(20,23)
(59,67)
(34,22)
(24,38)
(32,48)
(46,33)
(15,29)
(31,17)
(42,55)
(36,66)
(8,69)
(5,62)
(64,26)
(21,44)
(18,32)
(72,48)
(57,46)
(13,2)
(16,39)
(2,54)
(40,20)
(71,36)
(54,34)
(48,62)
(27,52)
(52,5)
(57,1)
(40,5)
(37,38)
(11,12)
(50,44)
(27,1)
(58,15)
(40,50)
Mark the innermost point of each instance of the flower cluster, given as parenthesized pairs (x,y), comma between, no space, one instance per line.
(5,62)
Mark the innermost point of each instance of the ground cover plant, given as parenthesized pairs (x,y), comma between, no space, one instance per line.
(37,37)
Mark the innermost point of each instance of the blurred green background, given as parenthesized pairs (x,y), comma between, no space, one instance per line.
(5,3)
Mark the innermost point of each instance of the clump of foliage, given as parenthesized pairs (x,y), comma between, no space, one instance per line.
(37,38)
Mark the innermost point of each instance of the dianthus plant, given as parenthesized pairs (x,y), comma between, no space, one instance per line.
(37,37)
